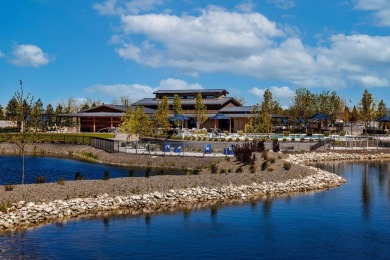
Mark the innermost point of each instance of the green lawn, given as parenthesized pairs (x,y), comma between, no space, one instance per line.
(68,138)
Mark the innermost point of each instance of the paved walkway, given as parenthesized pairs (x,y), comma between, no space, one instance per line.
(129,150)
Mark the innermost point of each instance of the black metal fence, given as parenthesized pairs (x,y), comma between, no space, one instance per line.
(108,145)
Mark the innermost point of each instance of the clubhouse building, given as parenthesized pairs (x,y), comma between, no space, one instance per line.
(235,115)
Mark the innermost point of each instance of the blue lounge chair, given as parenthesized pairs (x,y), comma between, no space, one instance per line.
(207,148)
(229,150)
(177,149)
(167,147)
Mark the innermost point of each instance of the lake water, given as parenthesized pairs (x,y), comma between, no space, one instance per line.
(54,168)
(348,222)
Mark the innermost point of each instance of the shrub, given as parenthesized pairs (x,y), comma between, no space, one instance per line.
(246,139)
(8,187)
(279,157)
(213,168)
(293,139)
(265,155)
(243,152)
(284,139)
(264,165)
(106,175)
(302,139)
(78,176)
(229,170)
(239,170)
(270,169)
(131,173)
(237,139)
(60,181)
(40,179)
(222,171)
(160,172)
(227,158)
(148,170)
(287,166)
(252,168)
(195,171)
(230,139)
(272,160)
(204,138)
(199,138)
(240,133)
(275,145)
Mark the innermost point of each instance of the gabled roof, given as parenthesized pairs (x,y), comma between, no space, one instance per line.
(219,101)
(120,108)
(190,91)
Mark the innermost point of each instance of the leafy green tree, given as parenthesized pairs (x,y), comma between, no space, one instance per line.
(177,108)
(135,121)
(2,115)
(200,111)
(49,109)
(59,109)
(161,115)
(367,108)
(304,104)
(267,107)
(346,116)
(261,121)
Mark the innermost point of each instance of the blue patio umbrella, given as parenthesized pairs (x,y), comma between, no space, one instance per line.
(219,116)
(384,119)
(299,121)
(179,118)
(319,116)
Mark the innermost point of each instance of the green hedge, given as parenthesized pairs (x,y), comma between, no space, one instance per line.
(9,129)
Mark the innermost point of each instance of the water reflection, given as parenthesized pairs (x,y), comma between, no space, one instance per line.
(348,222)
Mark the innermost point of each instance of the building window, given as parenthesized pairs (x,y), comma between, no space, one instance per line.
(210,97)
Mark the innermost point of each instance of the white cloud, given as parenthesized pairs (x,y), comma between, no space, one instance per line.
(122,7)
(217,40)
(283,4)
(27,55)
(2,54)
(136,91)
(246,6)
(278,93)
(380,9)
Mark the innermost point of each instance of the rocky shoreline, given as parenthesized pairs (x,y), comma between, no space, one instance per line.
(307,158)
(29,214)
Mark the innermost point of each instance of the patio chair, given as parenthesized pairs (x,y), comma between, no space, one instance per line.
(177,149)
(207,148)
(229,150)
(167,147)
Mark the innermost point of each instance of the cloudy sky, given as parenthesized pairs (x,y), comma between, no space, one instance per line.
(103,49)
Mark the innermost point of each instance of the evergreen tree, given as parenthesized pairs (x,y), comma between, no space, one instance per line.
(2,115)
(200,111)
(49,109)
(11,109)
(59,109)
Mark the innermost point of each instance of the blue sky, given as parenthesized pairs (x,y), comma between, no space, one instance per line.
(103,49)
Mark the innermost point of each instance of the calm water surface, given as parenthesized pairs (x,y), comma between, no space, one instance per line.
(54,168)
(348,222)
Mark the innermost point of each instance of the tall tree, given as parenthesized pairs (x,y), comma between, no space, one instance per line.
(304,104)
(200,111)
(24,120)
(382,109)
(177,108)
(36,113)
(161,115)
(11,109)
(59,109)
(367,110)
(2,115)
(135,121)
(266,112)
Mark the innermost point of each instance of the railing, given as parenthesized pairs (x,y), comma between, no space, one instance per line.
(108,145)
